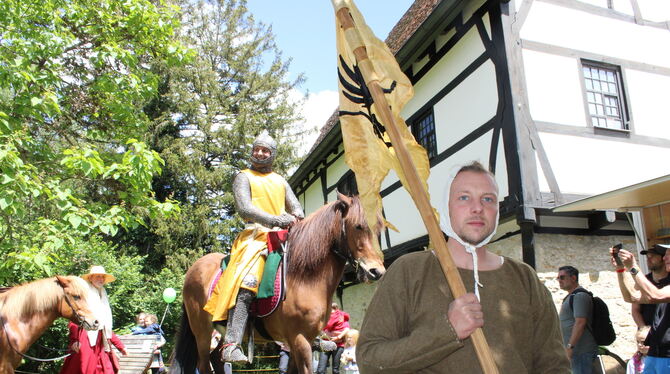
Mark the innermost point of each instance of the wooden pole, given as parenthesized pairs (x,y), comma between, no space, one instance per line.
(416,189)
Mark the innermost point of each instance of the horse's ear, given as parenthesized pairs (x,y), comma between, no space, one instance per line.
(344,198)
(64,282)
(342,203)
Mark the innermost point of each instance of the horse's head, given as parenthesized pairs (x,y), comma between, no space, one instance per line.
(74,304)
(368,261)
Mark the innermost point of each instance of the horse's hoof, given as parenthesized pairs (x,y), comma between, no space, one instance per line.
(234,354)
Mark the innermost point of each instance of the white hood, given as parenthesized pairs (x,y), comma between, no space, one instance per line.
(445,224)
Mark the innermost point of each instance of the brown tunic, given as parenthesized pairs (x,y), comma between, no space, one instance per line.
(406,329)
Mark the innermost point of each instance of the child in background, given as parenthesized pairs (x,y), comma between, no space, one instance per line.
(151,327)
(636,363)
(349,355)
(140,322)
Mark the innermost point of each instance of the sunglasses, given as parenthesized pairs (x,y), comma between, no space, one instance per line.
(561,277)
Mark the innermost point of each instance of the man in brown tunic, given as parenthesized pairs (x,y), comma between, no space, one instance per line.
(413,323)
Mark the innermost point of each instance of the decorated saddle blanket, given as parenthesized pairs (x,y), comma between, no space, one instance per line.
(272,288)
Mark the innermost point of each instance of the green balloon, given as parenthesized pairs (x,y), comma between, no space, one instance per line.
(169,295)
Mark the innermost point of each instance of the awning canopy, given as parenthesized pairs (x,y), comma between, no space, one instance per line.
(642,195)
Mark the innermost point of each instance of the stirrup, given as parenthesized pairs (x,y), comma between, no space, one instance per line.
(233,353)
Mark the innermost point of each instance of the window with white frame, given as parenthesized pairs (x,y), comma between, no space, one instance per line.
(604,96)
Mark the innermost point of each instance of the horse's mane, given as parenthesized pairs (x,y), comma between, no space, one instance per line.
(37,297)
(312,239)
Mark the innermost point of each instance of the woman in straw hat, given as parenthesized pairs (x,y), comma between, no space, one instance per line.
(92,350)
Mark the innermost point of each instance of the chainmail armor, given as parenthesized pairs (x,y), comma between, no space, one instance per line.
(237,320)
(250,213)
(265,140)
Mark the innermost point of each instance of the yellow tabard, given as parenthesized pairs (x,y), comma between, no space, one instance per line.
(267,194)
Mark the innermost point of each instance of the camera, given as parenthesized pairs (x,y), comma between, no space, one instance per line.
(615,254)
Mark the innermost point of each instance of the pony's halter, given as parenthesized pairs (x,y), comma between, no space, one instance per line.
(80,319)
(8,332)
(342,249)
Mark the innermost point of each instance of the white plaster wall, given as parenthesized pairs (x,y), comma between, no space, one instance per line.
(501,171)
(623,6)
(649,107)
(470,7)
(454,62)
(400,211)
(593,165)
(655,10)
(554,88)
(313,197)
(476,151)
(541,178)
(570,28)
(620,6)
(468,106)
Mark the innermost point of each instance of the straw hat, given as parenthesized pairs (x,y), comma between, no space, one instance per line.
(96,269)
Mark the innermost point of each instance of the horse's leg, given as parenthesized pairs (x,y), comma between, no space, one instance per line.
(201,324)
(301,353)
(195,296)
(216,358)
(292,369)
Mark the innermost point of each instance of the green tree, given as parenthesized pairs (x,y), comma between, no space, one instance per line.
(74,80)
(209,112)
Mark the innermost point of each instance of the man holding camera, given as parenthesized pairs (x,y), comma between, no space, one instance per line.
(643,314)
(658,359)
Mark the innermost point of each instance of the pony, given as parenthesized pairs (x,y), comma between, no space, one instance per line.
(27,310)
(319,247)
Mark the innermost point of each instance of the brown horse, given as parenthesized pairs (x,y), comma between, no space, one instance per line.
(319,247)
(26,311)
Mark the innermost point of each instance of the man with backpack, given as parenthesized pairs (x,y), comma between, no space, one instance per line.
(576,317)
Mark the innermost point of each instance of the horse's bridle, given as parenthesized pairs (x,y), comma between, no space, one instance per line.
(345,255)
(9,341)
(80,319)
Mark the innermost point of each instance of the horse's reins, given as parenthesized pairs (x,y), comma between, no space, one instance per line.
(343,244)
(9,341)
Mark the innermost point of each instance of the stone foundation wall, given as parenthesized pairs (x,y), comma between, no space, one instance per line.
(586,253)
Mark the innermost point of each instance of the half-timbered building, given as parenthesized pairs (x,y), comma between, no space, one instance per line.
(562,99)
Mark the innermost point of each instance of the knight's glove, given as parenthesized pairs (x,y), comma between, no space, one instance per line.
(283,220)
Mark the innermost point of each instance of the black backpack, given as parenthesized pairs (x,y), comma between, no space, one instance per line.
(601,325)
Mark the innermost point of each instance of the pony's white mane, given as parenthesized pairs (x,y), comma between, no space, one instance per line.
(38,296)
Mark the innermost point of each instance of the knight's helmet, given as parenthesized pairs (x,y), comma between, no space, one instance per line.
(264,139)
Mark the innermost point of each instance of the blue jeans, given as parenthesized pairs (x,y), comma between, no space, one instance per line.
(656,365)
(582,363)
(283,361)
(323,361)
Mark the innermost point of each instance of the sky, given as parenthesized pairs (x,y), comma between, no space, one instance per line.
(305,32)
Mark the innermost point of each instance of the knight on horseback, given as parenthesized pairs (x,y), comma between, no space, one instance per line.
(265,201)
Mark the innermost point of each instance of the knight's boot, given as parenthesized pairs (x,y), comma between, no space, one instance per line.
(237,321)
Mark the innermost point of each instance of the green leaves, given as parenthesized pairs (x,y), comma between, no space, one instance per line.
(75,78)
